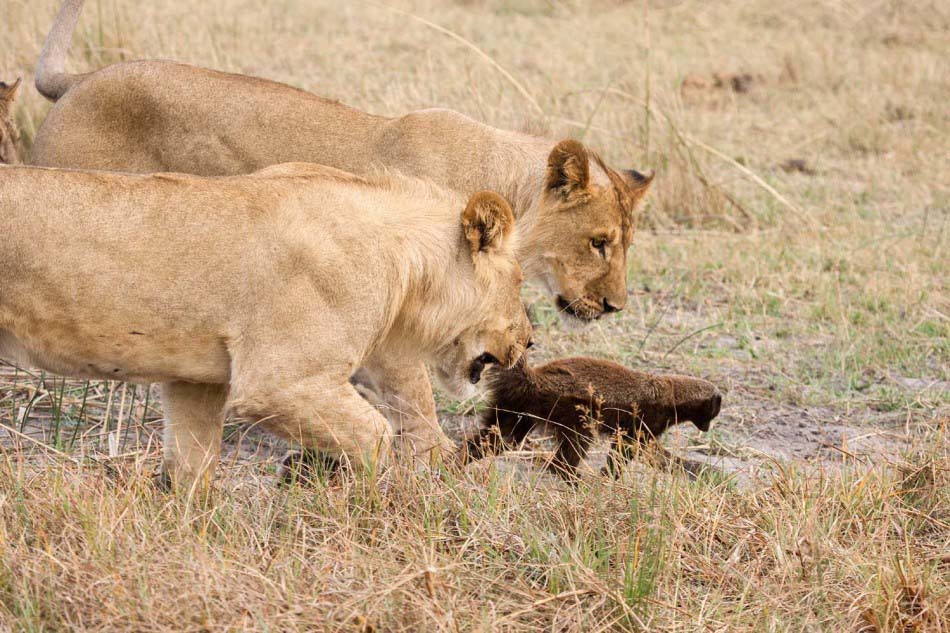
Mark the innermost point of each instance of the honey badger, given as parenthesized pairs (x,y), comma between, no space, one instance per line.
(577,398)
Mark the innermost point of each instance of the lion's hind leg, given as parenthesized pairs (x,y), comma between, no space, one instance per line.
(194,422)
(326,419)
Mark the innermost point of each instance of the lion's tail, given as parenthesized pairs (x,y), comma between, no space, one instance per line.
(52,80)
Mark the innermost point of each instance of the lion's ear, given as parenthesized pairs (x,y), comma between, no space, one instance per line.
(568,168)
(487,222)
(8,92)
(637,184)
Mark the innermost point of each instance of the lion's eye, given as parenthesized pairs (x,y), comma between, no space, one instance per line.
(600,245)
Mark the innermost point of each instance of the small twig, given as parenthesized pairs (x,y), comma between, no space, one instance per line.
(656,323)
(13,431)
(856,458)
(689,336)
(715,152)
(538,603)
(754,177)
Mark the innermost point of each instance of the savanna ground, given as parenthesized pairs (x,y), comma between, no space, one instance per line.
(794,251)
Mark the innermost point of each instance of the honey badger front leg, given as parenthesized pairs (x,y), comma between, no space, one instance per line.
(405,395)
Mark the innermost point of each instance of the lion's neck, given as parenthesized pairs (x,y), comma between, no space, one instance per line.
(430,280)
(515,165)
(465,155)
(438,299)
(445,147)
(519,175)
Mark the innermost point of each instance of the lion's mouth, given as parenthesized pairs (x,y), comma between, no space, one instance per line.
(571,309)
(478,366)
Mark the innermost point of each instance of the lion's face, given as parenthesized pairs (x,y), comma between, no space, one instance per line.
(585,226)
(9,136)
(501,332)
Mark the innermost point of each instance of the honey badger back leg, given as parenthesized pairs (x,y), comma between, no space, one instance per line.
(572,446)
(622,449)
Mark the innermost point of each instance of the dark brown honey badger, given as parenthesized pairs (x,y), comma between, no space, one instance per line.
(577,398)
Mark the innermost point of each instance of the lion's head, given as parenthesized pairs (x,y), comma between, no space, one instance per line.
(9,135)
(500,330)
(584,227)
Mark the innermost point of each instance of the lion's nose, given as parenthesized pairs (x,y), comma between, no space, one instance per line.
(609,307)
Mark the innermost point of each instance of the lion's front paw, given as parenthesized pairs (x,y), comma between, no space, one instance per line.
(162,480)
(307,467)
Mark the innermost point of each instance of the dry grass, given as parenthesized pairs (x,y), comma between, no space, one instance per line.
(795,253)
(97,548)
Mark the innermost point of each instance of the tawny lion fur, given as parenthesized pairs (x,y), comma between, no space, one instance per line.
(256,307)
(9,133)
(578,398)
(575,215)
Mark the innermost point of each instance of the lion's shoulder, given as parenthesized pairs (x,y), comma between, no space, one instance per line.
(309,170)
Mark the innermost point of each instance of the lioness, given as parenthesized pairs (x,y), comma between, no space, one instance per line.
(574,214)
(9,134)
(255,308)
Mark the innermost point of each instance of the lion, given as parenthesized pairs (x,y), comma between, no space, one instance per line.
(9,133)
(578,398)
(263,308)
(575,215)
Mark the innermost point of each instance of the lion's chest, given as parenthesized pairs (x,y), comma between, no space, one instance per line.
(108,355)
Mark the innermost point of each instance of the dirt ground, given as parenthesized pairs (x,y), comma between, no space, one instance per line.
(752,436)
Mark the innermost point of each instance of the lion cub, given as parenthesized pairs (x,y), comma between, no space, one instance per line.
(9,134)
(578,397)
(257,294)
